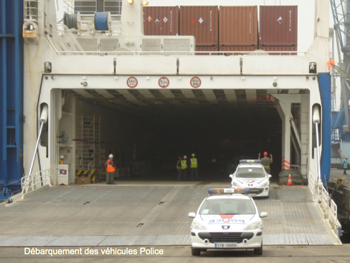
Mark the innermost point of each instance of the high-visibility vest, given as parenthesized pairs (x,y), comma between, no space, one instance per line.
(178,165)
(194,163)
(183,164)
(109,168)
(345,163)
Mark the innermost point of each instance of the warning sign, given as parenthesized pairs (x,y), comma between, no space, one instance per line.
(165,19)
(163,82)
(132,82)
(201,20)
(157,21)
(195,82)
(149,19)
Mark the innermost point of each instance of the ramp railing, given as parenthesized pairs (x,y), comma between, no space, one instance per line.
(35,181)
(327,206)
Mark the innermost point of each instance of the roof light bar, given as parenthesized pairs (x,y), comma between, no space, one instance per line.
(249,161)
(228,191)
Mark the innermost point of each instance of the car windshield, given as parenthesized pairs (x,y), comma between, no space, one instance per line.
(250,172)
(227,207)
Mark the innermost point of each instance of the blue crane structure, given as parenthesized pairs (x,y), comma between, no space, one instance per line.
(11,94)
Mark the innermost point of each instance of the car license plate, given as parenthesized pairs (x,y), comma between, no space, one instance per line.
(225,245)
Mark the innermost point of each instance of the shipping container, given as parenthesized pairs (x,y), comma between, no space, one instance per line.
(238,26)
(211,49)
(202,22)
(161,20)
(284,50)
(235,50)
(278,26)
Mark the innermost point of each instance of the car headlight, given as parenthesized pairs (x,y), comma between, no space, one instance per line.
(198,226)
(266,184)
(254,226)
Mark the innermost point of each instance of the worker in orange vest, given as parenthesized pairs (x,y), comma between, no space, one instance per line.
(110,169)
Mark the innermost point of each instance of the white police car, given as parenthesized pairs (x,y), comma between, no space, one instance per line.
(252,175)
(227,219)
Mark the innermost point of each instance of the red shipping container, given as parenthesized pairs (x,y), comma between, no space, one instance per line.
(278,26)
(211,49)
(238,26)
(202,22)
(235,50)
(161,20)
(284,50)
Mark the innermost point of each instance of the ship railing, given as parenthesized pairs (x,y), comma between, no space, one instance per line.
(35,181)
(312,183)
(173,53)
(327,206)
(63,30)
(329,209)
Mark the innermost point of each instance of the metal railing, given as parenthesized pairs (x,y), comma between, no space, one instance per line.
(312,183)
(63,30)
(329,209)
(35,181)
(327,205)
(169,53)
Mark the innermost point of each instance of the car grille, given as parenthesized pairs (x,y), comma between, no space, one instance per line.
(256,190)
(218,237)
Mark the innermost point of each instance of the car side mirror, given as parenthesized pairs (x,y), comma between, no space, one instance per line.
(263,214)
(230,175)
(270,176)
(192,214)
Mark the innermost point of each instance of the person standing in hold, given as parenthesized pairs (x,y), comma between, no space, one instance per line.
(110,169)
(266,161)
(178,167)
(61,160)
(345,164)
(184,167)
(194,167)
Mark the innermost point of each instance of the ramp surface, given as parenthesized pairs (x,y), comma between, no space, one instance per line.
(146,215)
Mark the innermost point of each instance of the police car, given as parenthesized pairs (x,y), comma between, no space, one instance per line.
(227,219)
(251,174)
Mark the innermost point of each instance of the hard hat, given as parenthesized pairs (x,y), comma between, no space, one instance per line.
(185,156)
(265,153)
(179,157)
(62,157)
(110,156)
(193,155)
(346,157)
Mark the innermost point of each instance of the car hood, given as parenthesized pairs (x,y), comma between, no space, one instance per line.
(216,222)
(252,182)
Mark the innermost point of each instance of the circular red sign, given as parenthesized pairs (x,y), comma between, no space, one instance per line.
(163,82)
(195,82)
(132,82)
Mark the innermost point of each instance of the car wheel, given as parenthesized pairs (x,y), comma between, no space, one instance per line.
(195,251)
(258,251)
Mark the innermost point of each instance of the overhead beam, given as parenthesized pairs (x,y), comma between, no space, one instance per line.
(105,93)
(130,97)
(251,95)
(210,95)
(84,93)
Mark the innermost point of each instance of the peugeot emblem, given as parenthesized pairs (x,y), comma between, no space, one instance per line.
(225,227)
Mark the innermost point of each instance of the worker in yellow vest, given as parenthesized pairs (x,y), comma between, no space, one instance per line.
(110,169)
(194,167)
(178,167)
(61,160)
(184,167)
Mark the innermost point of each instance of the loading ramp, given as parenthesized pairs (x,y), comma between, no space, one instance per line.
(146,214)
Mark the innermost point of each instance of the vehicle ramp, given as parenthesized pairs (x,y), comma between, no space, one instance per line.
(146,213)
